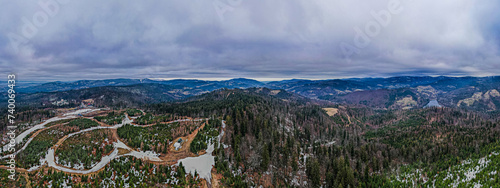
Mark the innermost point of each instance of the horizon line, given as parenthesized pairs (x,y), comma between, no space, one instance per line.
(256,79)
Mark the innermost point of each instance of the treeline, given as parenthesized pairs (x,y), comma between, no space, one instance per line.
(111,118)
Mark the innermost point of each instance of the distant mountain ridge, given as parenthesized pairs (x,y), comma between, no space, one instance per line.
(477,93)
(350,83)
(83,84)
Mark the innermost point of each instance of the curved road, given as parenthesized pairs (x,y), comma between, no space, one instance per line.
(191,163)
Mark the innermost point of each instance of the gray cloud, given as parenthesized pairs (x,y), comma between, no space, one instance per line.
(255,39)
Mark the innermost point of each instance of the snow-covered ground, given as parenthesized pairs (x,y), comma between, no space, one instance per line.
(177,146)
(104,161)
(202,164)
(21,136)
(464,174)
(470,172)
(120,144)
(146,155)
(81,111)
(329,143)
(42,161)
(69,115)
(125,121)
(49,158)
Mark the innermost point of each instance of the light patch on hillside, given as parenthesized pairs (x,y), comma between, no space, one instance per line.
(407,102)
(331,111)
(479,96)
(274,92)
(470,101)
(427,90)
(491,93)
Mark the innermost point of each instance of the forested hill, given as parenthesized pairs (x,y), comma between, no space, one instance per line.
(266,130)
(405,92)
(287,109)
(282,139)
(119,96)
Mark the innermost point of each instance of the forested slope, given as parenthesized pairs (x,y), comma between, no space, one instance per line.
(285,139)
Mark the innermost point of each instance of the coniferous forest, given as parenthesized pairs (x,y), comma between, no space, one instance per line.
(279,141)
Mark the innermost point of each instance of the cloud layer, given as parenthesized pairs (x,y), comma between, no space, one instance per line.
(69,40)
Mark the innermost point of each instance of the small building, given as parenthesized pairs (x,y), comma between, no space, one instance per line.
(88,101)
(178,144)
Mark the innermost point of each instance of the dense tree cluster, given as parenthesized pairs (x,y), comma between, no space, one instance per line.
(258,127)
(209,132)
(149,118)
(133,112)
(156,137)
(25,116)
(38,147)
(86,149)
(111,118)
(83,123)
(132,172)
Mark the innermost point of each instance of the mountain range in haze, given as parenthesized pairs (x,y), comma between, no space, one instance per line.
(477,93)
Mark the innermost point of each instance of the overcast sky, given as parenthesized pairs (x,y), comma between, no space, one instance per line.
(279,39)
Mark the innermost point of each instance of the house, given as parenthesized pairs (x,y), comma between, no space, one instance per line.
(178,144)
